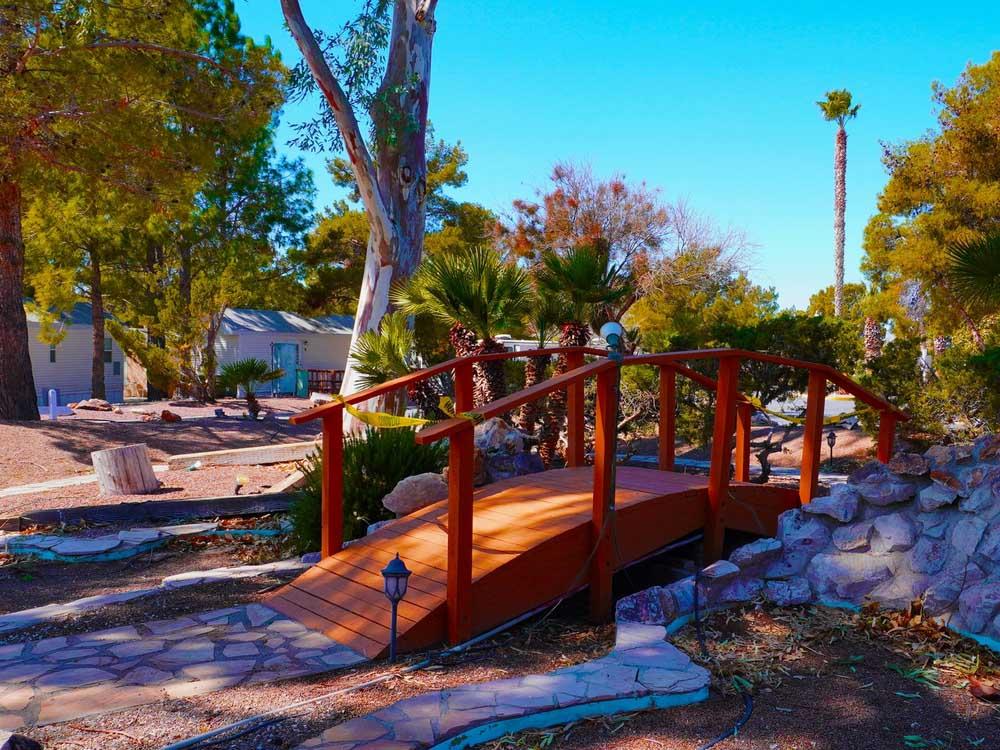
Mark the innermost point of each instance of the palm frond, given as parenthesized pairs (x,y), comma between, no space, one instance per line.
(586,276)
(974,271)
(248,372)
(384,354)
(838,106)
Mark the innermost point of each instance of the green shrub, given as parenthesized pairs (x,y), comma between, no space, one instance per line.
(374,461)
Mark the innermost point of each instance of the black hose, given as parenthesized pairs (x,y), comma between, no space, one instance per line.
(747,698)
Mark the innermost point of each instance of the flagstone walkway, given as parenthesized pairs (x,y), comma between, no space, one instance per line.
(643,671)
(63,678)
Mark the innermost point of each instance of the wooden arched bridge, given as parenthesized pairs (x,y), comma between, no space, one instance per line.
(486,555)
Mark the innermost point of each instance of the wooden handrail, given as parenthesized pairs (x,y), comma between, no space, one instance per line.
(419,376)
(837,378)
(447,427)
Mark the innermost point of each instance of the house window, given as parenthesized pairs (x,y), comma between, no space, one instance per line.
(52,352)
(107,348)
(116,368)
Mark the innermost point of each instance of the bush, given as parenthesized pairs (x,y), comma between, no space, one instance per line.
(374,462)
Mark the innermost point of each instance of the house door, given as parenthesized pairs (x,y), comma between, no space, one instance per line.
(285,356)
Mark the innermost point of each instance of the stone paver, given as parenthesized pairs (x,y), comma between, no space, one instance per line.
(642,665)
(64,678)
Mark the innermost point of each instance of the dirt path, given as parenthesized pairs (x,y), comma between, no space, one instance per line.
(37,451)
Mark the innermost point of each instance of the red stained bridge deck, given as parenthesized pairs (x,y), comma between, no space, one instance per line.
(532,540)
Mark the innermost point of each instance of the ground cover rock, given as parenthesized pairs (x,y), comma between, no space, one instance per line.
(892,533)
(94,404)
(11,741)
(846,576)
(841,504)
(416,492)
(967,533)
(935,496)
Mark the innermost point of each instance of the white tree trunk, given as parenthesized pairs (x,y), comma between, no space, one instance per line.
(839,211)
(125,471)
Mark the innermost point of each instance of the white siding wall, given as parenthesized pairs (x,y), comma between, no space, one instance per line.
(327,351)
(70,373)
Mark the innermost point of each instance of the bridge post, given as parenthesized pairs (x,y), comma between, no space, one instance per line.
(464,400)
(812,437)
(886,435)
(574,414)
(667,434)
(602,521)
(461,461)
(332,502)
(743,413)
(722,453)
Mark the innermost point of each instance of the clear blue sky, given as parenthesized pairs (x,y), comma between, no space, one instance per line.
(713,102)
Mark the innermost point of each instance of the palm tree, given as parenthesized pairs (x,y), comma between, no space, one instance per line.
(837,107)
(585,280)
(478,294)
(543,321)
(973,278)
(384,355)
(247,374)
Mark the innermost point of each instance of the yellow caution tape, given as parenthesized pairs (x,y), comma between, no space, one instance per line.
(384,421)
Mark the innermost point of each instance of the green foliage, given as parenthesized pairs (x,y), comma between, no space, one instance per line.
(247,374)
(385,354)
(161,368)
(837,106)
(943,191)
(374,462)
(975,272)
(793,335)
(586,280)
(475,288)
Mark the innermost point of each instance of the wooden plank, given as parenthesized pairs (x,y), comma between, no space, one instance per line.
(461,461)
(667,434)
(812,437)
(345,637)
(646,527)
(721,455)
(755,508)
(743,413)
(372,559)
(277,453)
(345,618)
(345,590)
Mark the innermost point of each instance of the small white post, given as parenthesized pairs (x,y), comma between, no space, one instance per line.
(53,399)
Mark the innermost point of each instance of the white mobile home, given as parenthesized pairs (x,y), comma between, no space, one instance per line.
(66,366)
(286,340)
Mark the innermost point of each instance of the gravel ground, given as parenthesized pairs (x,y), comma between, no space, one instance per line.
(29,584)
(561,641)
(835,691)
(133,411)
(38,451)
(212,481)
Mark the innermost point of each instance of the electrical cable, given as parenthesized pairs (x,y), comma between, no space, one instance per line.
(747,698)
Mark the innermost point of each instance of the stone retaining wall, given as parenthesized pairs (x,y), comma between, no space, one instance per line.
(922,527)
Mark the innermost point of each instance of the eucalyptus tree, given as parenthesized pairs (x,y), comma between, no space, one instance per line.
(838,107)
(376,68)
(112,91)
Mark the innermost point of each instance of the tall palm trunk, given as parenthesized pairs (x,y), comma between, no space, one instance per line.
(534,372)
(573,333)
(17,385)
(488,381)
(839,211)
(874,337)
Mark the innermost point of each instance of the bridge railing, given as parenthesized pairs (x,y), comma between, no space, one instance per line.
(732,418)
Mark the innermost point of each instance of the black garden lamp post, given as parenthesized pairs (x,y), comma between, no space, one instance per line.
(395,574)
(831,440)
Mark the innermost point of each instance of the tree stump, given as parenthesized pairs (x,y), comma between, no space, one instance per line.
(125,471)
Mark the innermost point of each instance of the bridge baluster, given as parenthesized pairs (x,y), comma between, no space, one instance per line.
(463,386)
(743,413)
(812,437)
(722,453)
(332,508)
(605,449)
(667,435)
(461,463)
(886,435)
(574,414)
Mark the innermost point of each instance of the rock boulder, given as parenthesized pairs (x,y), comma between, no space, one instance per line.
(416,492)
